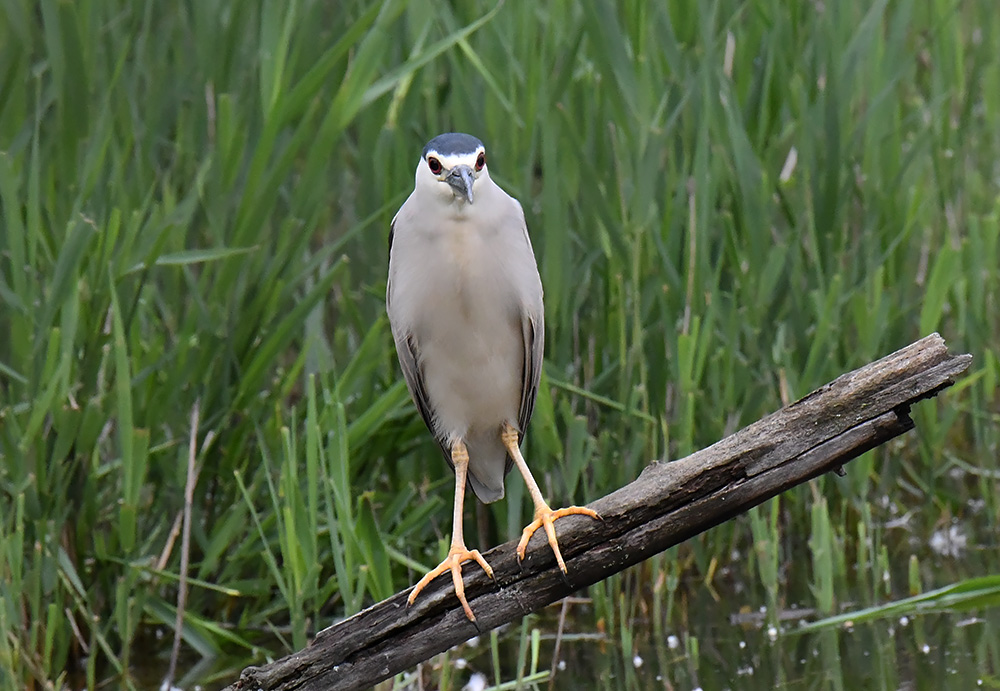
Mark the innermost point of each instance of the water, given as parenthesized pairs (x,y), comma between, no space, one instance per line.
(936,651)
(722,638)
(942,651)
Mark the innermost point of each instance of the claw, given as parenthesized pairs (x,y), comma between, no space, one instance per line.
(546,517)
(453,562)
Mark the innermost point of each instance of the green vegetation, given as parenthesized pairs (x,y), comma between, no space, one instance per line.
(731,203)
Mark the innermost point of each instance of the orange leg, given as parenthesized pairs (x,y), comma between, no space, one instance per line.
(545,516)
(458,552)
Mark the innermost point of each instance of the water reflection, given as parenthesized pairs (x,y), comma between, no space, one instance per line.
(719,636)
(938,651)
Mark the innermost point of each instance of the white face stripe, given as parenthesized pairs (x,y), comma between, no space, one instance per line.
(449,161)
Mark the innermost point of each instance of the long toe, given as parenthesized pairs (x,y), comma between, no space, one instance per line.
(457,555)
(546,518)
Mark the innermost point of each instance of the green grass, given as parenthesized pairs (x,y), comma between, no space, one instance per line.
(972,594)
(731,204)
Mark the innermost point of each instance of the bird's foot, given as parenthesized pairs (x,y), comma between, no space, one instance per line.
(453,562)
(544,516)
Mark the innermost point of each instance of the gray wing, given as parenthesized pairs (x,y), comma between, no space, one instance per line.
(533,336)
(406,351)
(533,333)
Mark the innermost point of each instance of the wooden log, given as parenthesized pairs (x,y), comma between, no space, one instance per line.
(666,504)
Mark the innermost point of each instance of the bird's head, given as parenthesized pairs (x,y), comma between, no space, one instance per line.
(451,166)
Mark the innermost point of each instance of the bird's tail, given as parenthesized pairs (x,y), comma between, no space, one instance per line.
(487,466)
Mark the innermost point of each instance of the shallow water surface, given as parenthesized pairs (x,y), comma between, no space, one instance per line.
(723,638)
(937,651)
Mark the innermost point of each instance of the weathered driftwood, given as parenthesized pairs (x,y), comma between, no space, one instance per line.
(667,504)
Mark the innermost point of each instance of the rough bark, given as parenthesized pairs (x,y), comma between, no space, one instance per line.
(666,504)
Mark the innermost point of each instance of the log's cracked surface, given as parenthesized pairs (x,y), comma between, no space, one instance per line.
(666,504)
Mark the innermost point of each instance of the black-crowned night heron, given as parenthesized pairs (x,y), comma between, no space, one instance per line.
(465,303)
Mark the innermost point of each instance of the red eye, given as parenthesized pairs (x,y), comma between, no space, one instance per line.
(434,165)
(481,160)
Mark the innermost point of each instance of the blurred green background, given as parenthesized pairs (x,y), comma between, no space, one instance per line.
(732,202)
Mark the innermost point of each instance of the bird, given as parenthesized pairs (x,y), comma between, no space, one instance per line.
(464,300)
